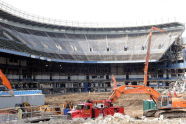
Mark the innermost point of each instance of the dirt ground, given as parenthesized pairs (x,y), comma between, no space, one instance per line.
(133,103)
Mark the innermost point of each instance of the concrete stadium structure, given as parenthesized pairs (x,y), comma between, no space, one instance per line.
(63,58)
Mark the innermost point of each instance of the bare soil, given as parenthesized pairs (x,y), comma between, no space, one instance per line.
(133,103)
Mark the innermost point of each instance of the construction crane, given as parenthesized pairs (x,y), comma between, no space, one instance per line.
(6,82)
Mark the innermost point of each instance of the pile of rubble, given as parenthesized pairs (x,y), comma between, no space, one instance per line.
(117,119)
(177,87)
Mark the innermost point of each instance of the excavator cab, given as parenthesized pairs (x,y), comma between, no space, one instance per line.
(166,102)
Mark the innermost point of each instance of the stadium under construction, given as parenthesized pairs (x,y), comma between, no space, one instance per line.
(62,58)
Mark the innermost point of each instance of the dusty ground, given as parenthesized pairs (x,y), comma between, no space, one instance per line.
(133,103)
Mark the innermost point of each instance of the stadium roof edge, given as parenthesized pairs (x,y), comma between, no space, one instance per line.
(7,12)
(88,31)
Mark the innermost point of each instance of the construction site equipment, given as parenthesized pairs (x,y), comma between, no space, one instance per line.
(93,109)
(165,104)
(6,82)
(114,82)
(13,98)
(50,109)
(149,105)
(147,58)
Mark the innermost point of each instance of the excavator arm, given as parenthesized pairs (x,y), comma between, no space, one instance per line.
(137,89)
(147,58)
(134,89)
(114,82)
(5,81)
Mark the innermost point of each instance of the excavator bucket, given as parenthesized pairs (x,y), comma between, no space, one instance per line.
(5,81)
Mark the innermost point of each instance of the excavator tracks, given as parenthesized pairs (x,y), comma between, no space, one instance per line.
(171,114)
(150,113)
(166,113)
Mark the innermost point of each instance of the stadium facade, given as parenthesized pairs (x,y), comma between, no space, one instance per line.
(61,58)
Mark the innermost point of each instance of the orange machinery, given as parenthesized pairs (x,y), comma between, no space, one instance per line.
(147,58)
(6,82)
(166,105)
(114,82)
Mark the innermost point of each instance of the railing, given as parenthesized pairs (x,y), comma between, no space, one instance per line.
(146,21)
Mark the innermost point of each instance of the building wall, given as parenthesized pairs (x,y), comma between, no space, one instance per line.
(26,73)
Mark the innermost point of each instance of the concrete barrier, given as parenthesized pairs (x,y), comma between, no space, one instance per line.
(34,98)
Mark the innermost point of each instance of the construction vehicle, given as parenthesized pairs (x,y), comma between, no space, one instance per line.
(6,82)
(147,58)
(12,98)
(93,109)
(165,104)
(114,82)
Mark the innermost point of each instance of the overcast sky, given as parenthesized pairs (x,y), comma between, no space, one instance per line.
(106,11)
(103,10)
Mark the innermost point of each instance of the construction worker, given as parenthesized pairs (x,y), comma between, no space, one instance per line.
(19,113)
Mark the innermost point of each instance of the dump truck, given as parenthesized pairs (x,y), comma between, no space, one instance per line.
(94,109)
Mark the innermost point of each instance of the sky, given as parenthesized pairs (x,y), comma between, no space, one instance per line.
(103,11)
(106,11)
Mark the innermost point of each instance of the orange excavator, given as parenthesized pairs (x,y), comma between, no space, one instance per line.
(114,82)
(147,58)
(6,82)
(167,105)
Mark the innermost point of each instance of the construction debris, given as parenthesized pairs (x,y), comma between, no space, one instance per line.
(116,119)
(133,108)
